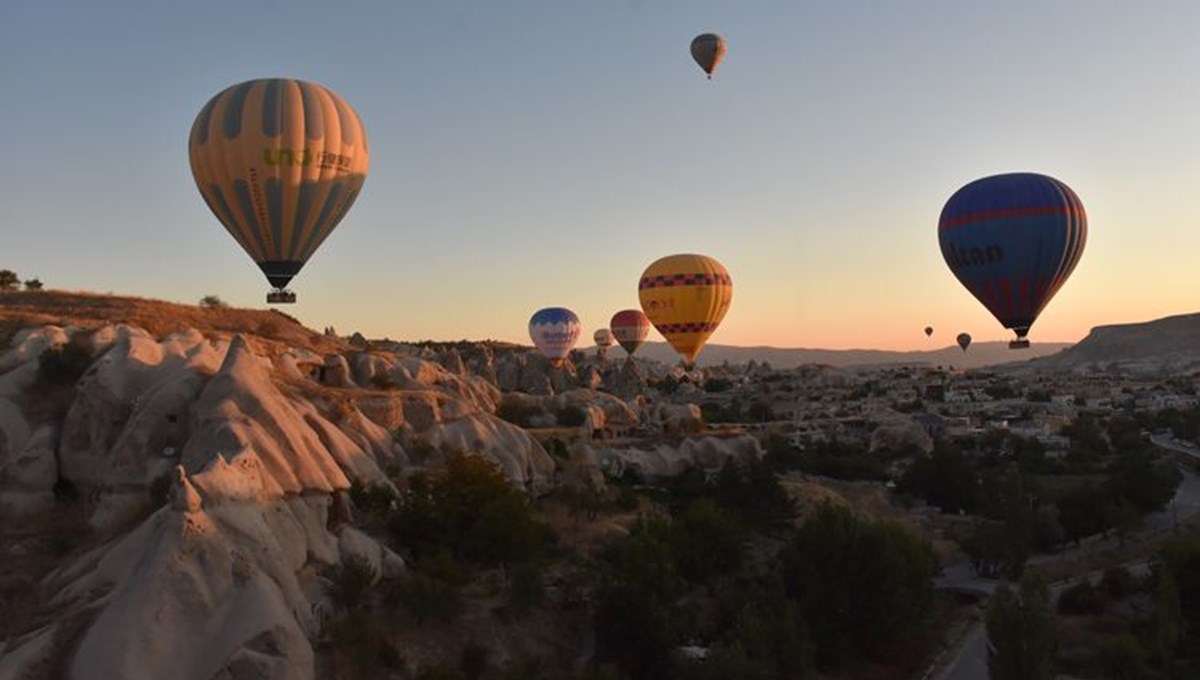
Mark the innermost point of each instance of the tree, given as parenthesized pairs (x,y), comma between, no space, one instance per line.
(9,280)
(1022,637)
(33,284)
(1168,617)
(864,584)
(213,302)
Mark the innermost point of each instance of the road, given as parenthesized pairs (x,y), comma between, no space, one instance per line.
(970,663)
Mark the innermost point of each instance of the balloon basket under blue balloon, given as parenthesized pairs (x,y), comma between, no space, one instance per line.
(1019,343)
(281,296)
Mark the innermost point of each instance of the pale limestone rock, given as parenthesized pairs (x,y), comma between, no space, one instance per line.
(384,562)
(28,344)
(336,371)
(27,479)
(677,419)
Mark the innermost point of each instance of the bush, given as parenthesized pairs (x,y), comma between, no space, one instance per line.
(33,284)
(9,279)
(1082,599)
(1118,583)
(715,385)
(213,302)
(470,512)
(434,591)
(348,583)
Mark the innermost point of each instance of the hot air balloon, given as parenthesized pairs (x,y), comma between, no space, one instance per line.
(963,340)
(708,49)
(928,331)
(685,297)
(1013,240)
(630,327)
(554,331)
(602,337)
(279,162)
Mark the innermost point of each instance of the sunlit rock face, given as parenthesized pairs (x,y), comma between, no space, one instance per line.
(256,442)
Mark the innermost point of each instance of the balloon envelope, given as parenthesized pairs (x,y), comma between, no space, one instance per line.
(928,331)
(685,297)
(1012,240)
(279,162)
(630,327)
(602,337)
(554,331)
(963,340)
(708,49)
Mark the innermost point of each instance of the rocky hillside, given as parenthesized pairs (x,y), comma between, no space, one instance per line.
(980,354)
(1165,346)
(173,479)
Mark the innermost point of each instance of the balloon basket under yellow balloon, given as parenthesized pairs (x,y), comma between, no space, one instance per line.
(280,296)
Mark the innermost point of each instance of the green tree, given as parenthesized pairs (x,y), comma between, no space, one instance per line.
(33,284)
(635,622)
(1022,637)
(867,583)
(9,280)
(706,542)
(1168,620)
(348,583)
(472,512)
(213,302)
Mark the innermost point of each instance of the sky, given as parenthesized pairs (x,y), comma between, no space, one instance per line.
(542,153)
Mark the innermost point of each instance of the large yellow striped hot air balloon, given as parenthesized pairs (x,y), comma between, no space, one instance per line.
(685,297)
(279,162)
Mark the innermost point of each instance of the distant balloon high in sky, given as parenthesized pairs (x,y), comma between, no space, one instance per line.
(554,331)
(963,340)
(1013,240)
(928,331)
(685,297)
(630,327)
(602,337)
(279,162)
(708,49)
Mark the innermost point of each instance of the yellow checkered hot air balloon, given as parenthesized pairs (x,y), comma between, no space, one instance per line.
(685,297)
(279,162)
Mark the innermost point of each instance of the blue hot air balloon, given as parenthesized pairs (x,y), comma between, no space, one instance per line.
(554,331)
(1013,240)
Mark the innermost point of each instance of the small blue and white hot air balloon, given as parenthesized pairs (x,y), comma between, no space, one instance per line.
(554,331)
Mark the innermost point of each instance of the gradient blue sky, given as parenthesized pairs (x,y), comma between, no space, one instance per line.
(528,154)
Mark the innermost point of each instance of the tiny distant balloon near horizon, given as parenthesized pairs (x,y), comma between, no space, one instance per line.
(1013,240)
(708,49)
(279,163)
(630,328)
(928,331)
(963,340)
(554,331)
(686,296)
(602,337)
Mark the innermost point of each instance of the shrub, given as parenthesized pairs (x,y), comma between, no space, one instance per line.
(9,279)
(347,583)
(1118,582)
(474,662)
(213,302)
(1082,599)
(33,284)
(434,591)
